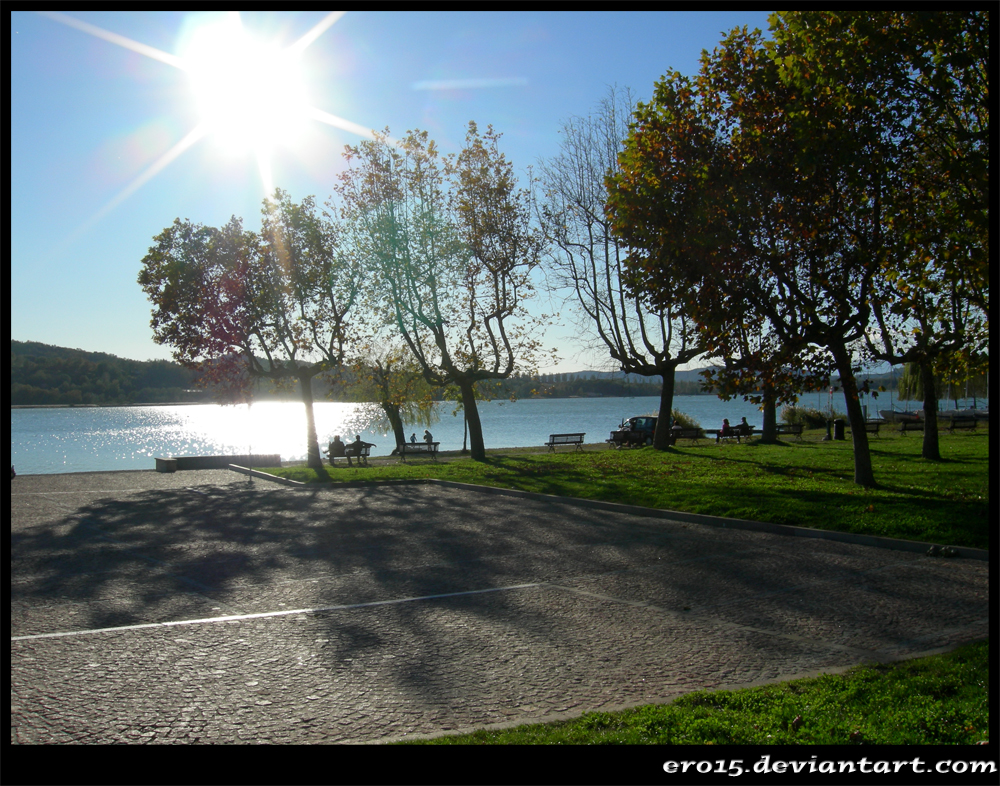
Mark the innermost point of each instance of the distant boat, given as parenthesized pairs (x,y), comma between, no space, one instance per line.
(895,416)
(962,414)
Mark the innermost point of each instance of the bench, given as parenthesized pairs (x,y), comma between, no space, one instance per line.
(911,425)
(418,448)
(565,439)
(685,433)
(789,428)
(871,426)
(350,452)
(735,432)
(962,423)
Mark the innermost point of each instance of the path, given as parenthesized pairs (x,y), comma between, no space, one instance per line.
(195,607)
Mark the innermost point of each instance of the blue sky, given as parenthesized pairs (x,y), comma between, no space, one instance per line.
(103,154)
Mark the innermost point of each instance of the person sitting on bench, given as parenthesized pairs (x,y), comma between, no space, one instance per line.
(337,449)
(355,449)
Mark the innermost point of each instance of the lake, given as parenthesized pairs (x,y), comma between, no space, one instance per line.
(92,439)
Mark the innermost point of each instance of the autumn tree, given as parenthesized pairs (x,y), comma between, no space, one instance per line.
(242,307)
(845,183)
(587,259)
(451,246)
(930,70)
(787,238)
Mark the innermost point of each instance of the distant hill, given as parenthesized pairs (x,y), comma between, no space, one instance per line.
(44,374)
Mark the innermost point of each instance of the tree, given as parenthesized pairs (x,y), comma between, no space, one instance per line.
(787,236)
(588,260)
(450,243)
(838,176)
(240,306)
(921,82)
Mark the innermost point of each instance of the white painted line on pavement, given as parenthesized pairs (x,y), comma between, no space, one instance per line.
(262,615)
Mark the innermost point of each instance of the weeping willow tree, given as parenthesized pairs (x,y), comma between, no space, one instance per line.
(911,386)
(392,381)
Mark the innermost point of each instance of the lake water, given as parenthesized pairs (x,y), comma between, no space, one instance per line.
(92,439)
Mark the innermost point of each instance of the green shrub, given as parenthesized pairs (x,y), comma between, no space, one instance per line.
(809,417)
(684,420)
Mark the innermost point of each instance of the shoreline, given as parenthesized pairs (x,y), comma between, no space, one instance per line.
(298,401)
(442,455)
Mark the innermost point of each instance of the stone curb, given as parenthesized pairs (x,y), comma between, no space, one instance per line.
(254,473)
(787,530)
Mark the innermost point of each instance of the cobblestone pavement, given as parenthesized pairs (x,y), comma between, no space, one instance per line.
(196,607)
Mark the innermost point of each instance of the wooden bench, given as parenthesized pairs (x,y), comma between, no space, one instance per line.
(418,449)
(789,428)
(351,452)
(685,433)
(962,423)
(871,426)
(735,432)
(911,425)
(565,439)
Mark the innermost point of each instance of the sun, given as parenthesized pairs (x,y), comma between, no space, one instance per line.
(250,94)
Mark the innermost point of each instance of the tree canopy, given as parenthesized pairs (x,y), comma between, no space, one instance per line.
(451,248)
(241,306)
(588,260)
(775,191)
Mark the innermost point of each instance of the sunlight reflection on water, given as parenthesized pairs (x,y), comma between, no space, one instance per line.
(84,439)
(90,439)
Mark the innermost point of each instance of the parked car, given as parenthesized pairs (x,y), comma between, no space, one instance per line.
(634,431)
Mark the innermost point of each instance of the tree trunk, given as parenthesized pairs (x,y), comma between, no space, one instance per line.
(769,413)
(395,421)
(662,436)
(931,447)
(314,459)
(478,447)
(863,473)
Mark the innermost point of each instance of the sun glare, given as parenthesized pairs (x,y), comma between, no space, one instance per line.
(251,94)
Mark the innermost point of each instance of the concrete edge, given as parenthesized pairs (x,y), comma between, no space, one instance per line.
(254,473)
(788,530)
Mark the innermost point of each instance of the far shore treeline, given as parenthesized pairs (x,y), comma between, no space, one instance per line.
(41,374)
(45,375)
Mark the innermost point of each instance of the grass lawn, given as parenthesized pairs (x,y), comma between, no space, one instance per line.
(928,701)
(808,483)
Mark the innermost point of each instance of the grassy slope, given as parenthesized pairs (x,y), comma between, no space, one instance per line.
(808,483)
(938,700)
